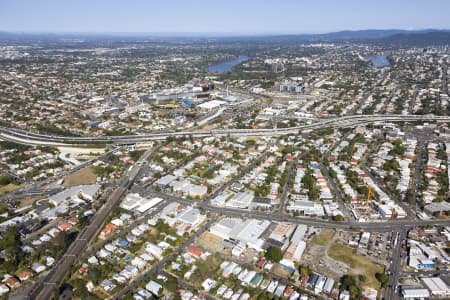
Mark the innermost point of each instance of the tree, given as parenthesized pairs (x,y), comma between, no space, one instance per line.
(383,279)
(274,254)
(350,283)
(171,285)
(363,278)
(304,270)
(10,245)
(5,180)
(80,289)
(339,218)
(3,207)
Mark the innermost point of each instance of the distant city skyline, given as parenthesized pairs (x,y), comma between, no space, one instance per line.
(224,17)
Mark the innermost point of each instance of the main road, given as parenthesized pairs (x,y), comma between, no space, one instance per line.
(46,288)
(26,137)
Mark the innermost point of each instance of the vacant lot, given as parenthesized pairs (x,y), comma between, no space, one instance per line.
(9,188)
(358,265)
(281,271)
(83,176)
(28,201)
(211,242)
(323,238)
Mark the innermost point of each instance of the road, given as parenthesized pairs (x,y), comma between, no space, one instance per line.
(22,136)
(284,193)
(45,289)
(340,200)
(377,226)
(418,172)
(395,267)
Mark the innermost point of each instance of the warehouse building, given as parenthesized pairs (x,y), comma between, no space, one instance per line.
(436,286)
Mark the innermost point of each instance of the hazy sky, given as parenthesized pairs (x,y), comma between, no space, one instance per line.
(222,16)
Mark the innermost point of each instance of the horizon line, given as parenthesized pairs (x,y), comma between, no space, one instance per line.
(208,33)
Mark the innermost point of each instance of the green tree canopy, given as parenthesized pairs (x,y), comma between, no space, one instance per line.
(274,254)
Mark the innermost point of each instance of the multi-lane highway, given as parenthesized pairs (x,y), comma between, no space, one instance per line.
(25,137)
(395,266)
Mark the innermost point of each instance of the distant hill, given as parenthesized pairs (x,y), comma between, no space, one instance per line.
(395,37)
(418,39)
(360,34)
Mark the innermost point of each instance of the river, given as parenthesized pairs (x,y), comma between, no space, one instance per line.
(379,61)
(226,66)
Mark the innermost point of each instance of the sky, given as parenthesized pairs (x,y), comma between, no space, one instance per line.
(220,16)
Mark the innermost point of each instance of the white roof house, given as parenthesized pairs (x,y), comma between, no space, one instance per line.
(208,284)
(3,289)
(154,250)
(37,267)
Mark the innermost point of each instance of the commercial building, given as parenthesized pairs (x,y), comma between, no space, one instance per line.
(211,105)
(305,207)
(413,292)
(76,194)
(436,286)
(248,232)
(437,208)
(139,204)
(241,200)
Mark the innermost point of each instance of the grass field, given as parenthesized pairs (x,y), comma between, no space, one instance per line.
(359,264)
(323,238)
(28,201)
(9,188)
(83,176)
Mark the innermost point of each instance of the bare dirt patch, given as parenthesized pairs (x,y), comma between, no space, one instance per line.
(212,243)
(9,188)
(83,176)
(28,201)
(358,264)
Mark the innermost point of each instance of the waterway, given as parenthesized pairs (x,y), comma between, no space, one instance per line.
(227,66)
(379,61)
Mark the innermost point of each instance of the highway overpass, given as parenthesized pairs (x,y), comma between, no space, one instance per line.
(26,137)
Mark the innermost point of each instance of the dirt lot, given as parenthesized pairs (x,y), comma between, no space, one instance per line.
(281,272)
(357,264)
(28,201)
(327,254)
(316,255)
(9,188)
(323,238)
(211,242)
(83,176)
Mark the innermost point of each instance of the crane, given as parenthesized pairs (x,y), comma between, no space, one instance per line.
(369,195)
